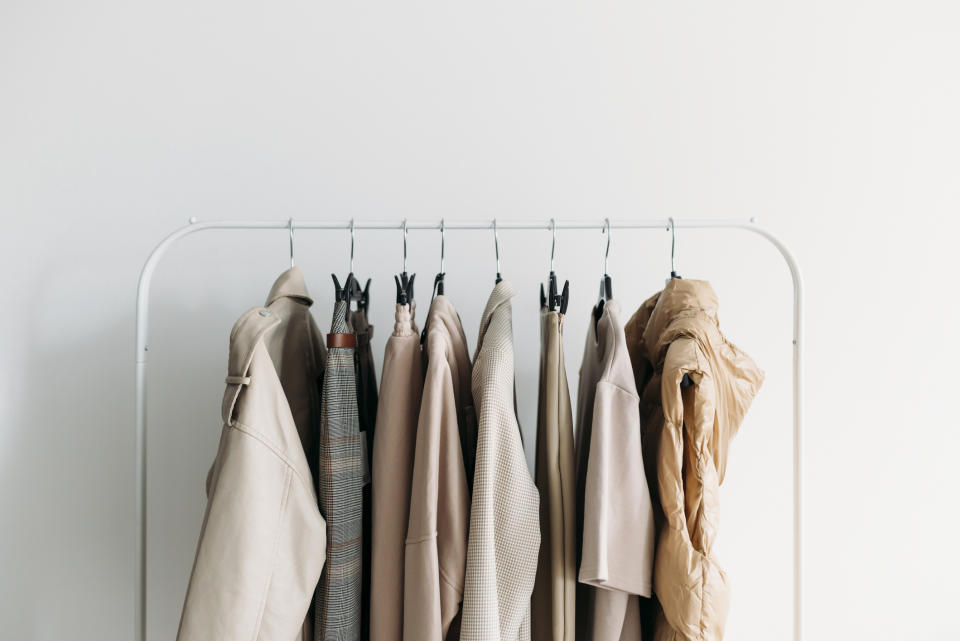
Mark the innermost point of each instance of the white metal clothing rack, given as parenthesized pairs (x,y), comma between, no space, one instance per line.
(143,301)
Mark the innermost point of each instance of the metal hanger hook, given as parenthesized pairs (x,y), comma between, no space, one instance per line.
(553,242)
(443,243)
(496,245)
(606,255)
(404,227)
(352,239)
(290,225)
(673,244)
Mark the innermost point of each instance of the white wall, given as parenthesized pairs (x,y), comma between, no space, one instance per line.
(834,122)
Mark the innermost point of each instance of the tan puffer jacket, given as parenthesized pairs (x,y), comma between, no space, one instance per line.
(687,430)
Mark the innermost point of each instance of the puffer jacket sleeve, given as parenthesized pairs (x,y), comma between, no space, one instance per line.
(691,587)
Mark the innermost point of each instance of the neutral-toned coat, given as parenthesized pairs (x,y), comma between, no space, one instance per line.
(262,544)
(392,473)
(504,522)
(553,607)
(340,474)
(676,334)
(436,544)
(617,527)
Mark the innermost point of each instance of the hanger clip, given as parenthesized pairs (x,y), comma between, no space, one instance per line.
(404,284)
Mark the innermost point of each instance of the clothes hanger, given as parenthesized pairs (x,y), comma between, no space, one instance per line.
(606,283)
(673,248)
(438,281)
(290,225)
(403,281)
(685,381)
(496,249)
(555,300)
(351,291)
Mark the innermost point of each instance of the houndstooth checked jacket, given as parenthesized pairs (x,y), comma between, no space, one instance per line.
(340,484)
(504,537)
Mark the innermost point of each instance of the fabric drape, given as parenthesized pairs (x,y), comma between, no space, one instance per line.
(553,607)
(367,401)
(436,542)
(263,540)
(504,538)
(697,388)
(617,528)
(392,473)
(340,478)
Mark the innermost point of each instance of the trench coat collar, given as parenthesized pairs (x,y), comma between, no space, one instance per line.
(290,284)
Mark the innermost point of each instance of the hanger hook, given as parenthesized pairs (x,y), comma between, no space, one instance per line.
(443,243)
(404,227)
(673,245)
(553,242)
(352,239)
(496,245)
(606,255)
(290,225)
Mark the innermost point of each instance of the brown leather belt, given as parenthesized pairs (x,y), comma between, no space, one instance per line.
(341,340)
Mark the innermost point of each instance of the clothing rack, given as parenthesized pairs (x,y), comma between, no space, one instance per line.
(143,300)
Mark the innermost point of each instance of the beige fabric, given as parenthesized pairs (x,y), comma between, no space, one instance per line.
(436,544)
(677,333)
(504,521)
(262,544)
(553,608)
(392,473)
(616,553)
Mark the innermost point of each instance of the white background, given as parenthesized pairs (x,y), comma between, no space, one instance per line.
(834,122)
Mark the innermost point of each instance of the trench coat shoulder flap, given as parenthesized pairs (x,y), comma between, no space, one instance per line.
(247,333)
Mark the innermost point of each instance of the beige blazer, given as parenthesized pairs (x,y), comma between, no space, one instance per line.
(617,531)
(262,544)
(553,609)
(504,521)
(392,473)
(436,545)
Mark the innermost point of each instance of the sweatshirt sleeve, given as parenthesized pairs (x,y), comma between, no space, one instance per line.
(618,531)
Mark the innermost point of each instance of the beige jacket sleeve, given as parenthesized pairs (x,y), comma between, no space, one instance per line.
(618,528)
(436,545)
(618,532)
(262,543)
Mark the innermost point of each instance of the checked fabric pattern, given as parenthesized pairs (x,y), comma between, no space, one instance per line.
(340,485)
(504,539)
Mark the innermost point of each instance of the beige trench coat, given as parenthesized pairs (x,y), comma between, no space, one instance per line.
(436,546)
(263,541)
(392,473)
(504,516)
(676,333)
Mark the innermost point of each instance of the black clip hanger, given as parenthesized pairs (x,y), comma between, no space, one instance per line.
(404,281)
(441,275)
(351,292)
(606,283)
(555,300)
(348,291)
